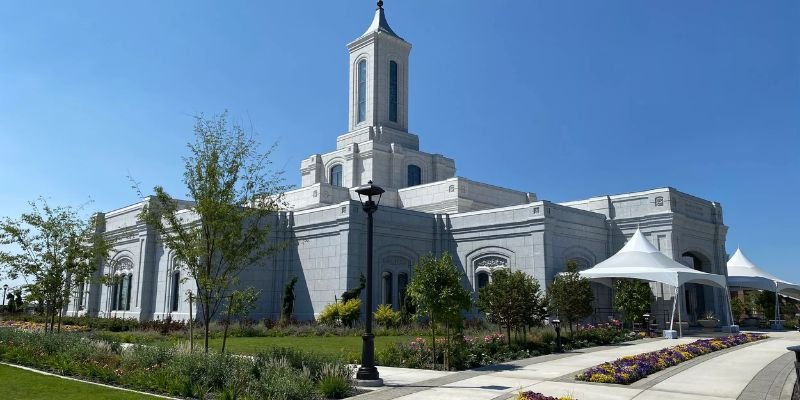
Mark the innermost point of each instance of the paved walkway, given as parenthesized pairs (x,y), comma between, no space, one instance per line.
(757,371)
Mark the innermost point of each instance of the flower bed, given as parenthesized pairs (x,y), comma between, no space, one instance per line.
(38,326)
(538,396)
(466,351)
(627,370)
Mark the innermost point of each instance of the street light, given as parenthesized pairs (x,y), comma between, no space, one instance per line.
(646,324)
(367,373)
(557,325)
(5,287)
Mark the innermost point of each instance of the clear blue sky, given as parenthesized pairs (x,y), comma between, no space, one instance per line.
(565,99)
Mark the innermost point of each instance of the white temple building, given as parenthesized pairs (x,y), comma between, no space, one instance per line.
(426,209)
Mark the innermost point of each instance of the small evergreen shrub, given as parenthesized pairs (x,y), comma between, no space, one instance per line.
(386,316)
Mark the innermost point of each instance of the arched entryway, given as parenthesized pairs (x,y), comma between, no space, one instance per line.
(697,296)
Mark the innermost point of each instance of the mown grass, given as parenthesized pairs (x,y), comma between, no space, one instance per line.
(345,347)
(21,384)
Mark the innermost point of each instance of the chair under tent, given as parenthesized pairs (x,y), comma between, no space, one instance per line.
(639,259)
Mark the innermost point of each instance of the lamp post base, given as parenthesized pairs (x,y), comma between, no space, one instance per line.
(369,382)
(670,334)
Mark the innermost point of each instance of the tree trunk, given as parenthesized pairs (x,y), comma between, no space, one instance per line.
(447,346)
(433,342)
(207,320)
(60,314)
(227,324)
(508,333)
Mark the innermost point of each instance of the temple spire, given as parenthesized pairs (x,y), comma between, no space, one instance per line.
(379,23)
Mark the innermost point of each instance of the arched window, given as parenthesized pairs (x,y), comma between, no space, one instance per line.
(79,296)
(402,283)
(115,296)
(362,90)
(336,175)
(414,175)
(387,288)
(392,91)
(483,279)
(125,293)
(176,288)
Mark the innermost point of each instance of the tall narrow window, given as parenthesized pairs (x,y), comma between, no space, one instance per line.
(387,288)
(414,175)
(362,90)
(123,293)
(336,175)
(79,296)
(402,283)
(114,295)
(483,279)
(129,291)
(176,287)
(392,91)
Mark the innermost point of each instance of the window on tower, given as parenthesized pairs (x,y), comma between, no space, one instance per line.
(362,90)
(392,91)
(336,175)
(414,175)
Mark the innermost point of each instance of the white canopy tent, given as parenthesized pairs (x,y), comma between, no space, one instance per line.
(744,273)
(639,259)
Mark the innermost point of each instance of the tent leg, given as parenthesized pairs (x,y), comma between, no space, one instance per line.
(732,327)
(670,333)
(680,324)
(672,316)
(777,309)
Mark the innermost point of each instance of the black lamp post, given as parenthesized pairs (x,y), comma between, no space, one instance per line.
(5,287)
(367,371)
(557,325)
(646,324)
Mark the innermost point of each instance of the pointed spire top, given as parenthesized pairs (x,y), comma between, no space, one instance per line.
(379,23)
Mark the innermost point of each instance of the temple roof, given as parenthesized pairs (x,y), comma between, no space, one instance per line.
(379,23)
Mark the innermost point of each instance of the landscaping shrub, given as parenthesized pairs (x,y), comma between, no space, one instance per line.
(491,348)
(336,381)
(273,374)
(386,316)
(627,370)
(346,313)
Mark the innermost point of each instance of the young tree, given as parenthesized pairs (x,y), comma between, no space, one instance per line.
(57,250)
(240,304)
(437,292)
(571,295)
(513,300)
(232,195)
(632,299)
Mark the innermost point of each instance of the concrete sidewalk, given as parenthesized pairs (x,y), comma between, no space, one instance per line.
(756,371)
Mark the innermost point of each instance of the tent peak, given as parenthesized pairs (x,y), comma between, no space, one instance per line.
(639,243)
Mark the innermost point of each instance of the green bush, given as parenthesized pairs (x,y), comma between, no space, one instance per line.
(387,317)
(273,374)
(336,381)
(346,313)
(492,348)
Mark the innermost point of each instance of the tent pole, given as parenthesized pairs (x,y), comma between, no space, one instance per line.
(777,306)
(674,300)
(730,306)
(680,323)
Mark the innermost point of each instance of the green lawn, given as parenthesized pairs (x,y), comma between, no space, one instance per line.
(20,384)
(346,346)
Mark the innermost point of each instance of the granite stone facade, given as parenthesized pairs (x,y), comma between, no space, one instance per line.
(426,209)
